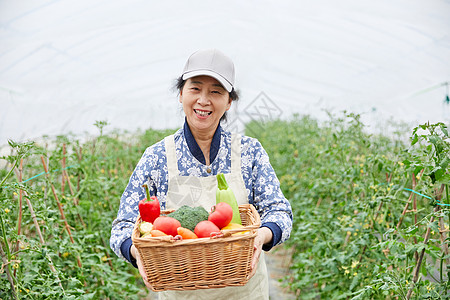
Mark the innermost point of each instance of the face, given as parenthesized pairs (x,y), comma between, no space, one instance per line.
(204,101)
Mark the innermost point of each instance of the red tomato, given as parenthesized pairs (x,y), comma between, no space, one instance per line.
(168,225)
(222,214)
(205,228)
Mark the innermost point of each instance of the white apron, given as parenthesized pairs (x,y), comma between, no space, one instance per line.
(201,191)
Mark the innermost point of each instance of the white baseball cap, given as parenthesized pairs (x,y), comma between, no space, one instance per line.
(212,63)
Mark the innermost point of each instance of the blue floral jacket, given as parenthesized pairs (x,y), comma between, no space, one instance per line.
(263,187)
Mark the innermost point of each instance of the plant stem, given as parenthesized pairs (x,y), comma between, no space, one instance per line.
(8,267)
(405,209)
(443,235)
(19,218)
(61,211)
(5,240)
(65,177)
(420,259)
(41,238)
(9,173)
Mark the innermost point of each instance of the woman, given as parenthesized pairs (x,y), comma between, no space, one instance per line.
(181,170)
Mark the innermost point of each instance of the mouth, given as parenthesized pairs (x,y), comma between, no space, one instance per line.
(202,113)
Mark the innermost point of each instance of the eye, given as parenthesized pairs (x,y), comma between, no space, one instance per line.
(195,88)
(217,92)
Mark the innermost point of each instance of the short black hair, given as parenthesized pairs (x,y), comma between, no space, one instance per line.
(179,84)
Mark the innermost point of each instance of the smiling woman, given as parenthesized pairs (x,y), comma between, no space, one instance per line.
(188,161)
(204,102)
(225,78)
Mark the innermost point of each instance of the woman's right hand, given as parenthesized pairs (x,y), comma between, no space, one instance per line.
(135,253)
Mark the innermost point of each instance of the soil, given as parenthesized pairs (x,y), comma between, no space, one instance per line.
(278,261)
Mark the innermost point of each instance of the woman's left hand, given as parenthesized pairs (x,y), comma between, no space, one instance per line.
(264,235)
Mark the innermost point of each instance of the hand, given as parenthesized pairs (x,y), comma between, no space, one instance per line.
(135,254)
(264,235)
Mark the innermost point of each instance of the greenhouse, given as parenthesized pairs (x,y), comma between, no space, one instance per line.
(332,115)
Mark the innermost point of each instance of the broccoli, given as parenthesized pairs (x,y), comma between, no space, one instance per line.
(189,217)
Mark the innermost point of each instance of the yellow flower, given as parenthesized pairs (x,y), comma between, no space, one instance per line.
(418,177)
(347,271)
(27,290)
(354,264)
(65,254)
(15,266)
(104,258)
(14,193)
(361,165)
(43,188)
(354,274)
(7,210)
(362,171)
(102,171)
(400,163)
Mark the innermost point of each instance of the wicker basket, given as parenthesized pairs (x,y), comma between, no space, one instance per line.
(199,263)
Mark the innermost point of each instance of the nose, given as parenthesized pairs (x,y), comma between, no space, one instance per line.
(203,98)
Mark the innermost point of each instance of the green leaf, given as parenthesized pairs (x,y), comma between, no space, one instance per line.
(434,226)
(414,140)
(438,174)
(444,129)
(445,179)
(423,270)
(444,163)
(412,229)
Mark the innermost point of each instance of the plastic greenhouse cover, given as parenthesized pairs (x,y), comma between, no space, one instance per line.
(66,64)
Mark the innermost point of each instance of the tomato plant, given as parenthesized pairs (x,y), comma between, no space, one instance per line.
(365,207)
(371,210)
(40,258)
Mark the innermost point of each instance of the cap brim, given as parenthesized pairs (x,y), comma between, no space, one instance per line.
(218,77)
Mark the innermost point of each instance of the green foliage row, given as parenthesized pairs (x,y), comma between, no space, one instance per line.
(98,171)
(348,190)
